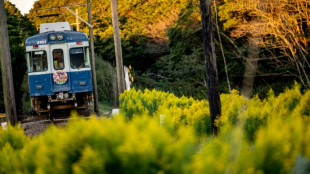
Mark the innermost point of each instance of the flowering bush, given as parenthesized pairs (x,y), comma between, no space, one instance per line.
(251,113)
(256,136)
(98,146)
(282,146)
(142,145)
(178,111)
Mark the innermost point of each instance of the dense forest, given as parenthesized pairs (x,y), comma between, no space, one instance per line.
(264,43)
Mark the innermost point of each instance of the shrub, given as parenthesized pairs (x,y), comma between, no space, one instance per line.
(251,113)
(178,111)
(279,138)
(105,146)
(276,149)
(12,141)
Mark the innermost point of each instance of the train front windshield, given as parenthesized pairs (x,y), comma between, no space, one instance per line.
(79,58)
(37,61)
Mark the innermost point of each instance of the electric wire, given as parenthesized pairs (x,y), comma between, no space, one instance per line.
(222,50)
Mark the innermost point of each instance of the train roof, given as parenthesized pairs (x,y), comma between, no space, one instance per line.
(44,38)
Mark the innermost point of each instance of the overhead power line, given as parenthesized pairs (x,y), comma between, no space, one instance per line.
(222,50)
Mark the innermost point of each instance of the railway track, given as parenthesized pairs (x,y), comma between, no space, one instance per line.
(55,121)
(52,117)
(33,125)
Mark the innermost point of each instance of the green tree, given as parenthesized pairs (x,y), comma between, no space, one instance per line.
(182,70)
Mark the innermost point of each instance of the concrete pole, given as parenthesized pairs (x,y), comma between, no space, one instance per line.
(96,106)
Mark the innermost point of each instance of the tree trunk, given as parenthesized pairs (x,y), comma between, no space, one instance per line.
(251,67)
(210,60)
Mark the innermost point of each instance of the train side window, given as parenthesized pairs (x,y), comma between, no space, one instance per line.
(77,58)
(37,61)
(58,59)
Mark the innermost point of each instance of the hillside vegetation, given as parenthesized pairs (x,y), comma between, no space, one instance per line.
(264,42)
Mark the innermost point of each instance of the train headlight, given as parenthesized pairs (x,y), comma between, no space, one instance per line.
(60,37)
(52,37)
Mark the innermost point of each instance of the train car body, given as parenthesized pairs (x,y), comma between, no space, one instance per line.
(59,71)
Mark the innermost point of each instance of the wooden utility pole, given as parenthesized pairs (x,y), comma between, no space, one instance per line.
(210,61)
(96,107)
(6,67)
(118,48)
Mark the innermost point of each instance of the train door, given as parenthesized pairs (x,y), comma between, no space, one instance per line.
(60,68)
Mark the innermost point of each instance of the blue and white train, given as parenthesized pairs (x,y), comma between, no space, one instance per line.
(59,71)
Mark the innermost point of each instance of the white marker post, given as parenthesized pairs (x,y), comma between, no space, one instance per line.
(162,119)
(127,81)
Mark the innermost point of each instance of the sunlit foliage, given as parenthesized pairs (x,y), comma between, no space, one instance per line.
(105,146)
(146,143)
(252,113)
(136,17)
